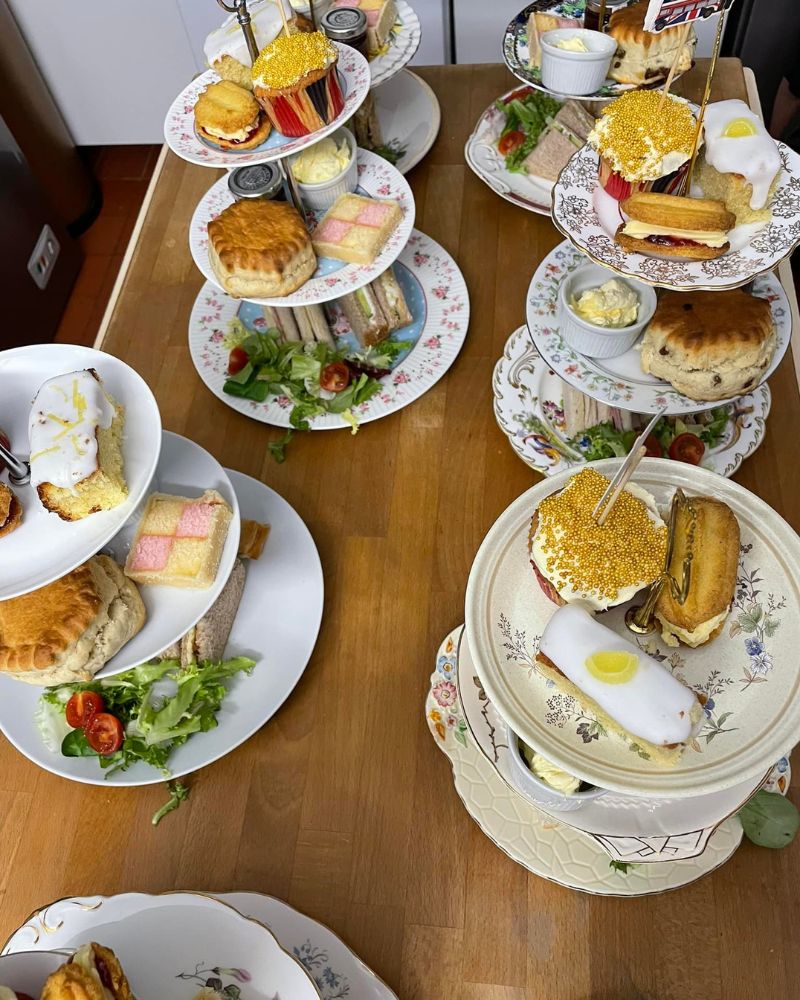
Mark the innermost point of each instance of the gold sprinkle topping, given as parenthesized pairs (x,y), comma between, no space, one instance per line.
(288,59)
(635,133)
(628,550)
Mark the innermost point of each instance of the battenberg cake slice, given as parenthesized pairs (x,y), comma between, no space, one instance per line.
(355,229)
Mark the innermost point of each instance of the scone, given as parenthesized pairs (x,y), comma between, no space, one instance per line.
(644,56)
(355,229)
(93,973)
(260,249)
(65,632)
(710,345)
(10,510)
(75,436)
(230,117)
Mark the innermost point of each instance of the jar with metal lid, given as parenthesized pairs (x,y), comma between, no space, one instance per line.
(259,180)
(592,17)
(347,25)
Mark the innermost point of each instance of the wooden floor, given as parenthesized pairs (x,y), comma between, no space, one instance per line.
(124,173)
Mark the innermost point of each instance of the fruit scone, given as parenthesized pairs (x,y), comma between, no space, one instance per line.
(355,229)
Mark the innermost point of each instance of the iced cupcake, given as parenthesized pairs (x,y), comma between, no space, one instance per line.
(295,81)
(644,145)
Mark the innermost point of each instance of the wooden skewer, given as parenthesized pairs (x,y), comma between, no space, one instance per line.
(687,181)
(674,67)
(286,27)
(601,17)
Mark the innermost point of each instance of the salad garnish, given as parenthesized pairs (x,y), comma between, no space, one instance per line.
(528,112)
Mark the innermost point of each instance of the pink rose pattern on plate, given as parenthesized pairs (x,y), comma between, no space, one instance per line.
(435,351)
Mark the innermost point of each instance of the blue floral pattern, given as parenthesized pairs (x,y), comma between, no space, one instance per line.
(758,617)
(332,985)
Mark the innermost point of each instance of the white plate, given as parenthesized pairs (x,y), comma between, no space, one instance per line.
(409,116)
(277,625)
(516,54)
(27,971)
(437,296)
(750,673)
(400,47)
(588,217)
(620,381)
(170,945)
(542,845)
(485,160)
(529,409)
(377,178)
(44,548)
(179,130)
(337,972)
(628,827)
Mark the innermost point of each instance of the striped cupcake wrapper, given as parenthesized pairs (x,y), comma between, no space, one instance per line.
(309,109)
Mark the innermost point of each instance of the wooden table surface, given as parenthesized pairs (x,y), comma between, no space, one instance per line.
(342,805)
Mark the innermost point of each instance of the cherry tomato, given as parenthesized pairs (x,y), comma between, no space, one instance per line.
(518,94)
(335,377)
(82,706)
(104,733)
(510,142)
(237,360)
(653,446)
(687,448)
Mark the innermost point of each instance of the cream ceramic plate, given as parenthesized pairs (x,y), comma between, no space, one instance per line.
(750,673)
(485,160)
(376,178)
(282,599)
(437,297)
(44,548)
(620,381)
(400,47)
(27,971)
(179,130)
(542,845)
(170,945)
(529,409)
(409,116)
(628,827)
(588,217)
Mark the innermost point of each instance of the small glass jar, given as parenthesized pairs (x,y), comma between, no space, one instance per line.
(259,180)
(347,25)
(591,19)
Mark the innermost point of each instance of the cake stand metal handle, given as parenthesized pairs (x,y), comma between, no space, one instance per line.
(239,8)
(19,472)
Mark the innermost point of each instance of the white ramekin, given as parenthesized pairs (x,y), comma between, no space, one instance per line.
(576,73)
(601,341)
(538,791)
(320,197)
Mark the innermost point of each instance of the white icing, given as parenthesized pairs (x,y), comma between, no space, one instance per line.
(652,705)
(228,39)
(84,957)
(754,157)
(62,426)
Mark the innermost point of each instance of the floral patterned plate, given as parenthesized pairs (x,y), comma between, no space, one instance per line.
(516,52)
(376,179)
(437,297)
(628,827)
(409,116)
(179,131)
(485,160)
(620,381)
(205,940)
(544,846)
(588,217)
(529,409)
(400,47)
(338,973)
(749,673)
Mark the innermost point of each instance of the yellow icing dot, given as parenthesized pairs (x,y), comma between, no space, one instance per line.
(738,128)
(614,666)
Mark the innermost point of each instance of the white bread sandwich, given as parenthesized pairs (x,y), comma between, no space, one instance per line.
(65,632)
(313,324)
(392,301)
(281,318)
(365,316)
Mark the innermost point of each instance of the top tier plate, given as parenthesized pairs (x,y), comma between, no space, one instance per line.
(179,130)
(400,48)
(44,548)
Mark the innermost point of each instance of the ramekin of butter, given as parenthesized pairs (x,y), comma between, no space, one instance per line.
(326,170)
(542,782)
(575,61)
(602,315)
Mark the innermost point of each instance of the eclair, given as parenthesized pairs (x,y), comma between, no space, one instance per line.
(665,225)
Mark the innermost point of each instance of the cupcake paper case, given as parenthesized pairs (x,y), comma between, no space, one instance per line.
(295,81)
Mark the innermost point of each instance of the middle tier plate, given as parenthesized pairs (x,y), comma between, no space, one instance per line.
(376,179)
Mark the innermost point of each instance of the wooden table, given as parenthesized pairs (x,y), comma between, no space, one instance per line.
(342,804)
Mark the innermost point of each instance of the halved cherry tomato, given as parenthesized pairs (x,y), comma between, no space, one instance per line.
(335,377)
(687,448)
(104,733)
(237,360)
(82,706)
(522,92)
(511,141)
(653,446)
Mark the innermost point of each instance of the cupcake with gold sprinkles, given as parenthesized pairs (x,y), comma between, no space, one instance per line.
(644,144)
(576,559)
(295,81)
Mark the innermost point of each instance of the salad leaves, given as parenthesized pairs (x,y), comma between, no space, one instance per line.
(528,113)
(770,820)
(605,441)
(178,792)
(160,705)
